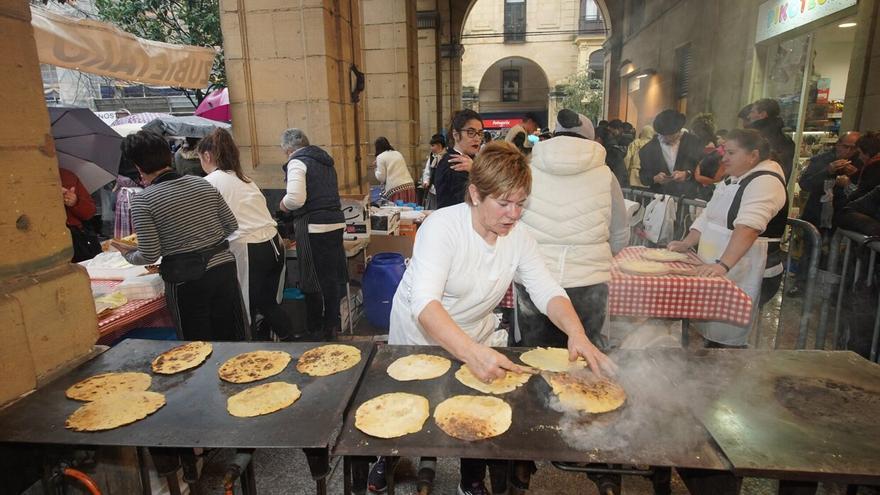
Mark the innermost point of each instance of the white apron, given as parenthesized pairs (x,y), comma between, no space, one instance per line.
(747,274)
(239,249)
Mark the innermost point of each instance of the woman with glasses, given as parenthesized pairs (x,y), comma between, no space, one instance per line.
(451,176)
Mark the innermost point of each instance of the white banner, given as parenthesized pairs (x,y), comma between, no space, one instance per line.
(100,48)
(779,16)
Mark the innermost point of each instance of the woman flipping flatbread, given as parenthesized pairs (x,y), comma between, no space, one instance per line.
(465,258)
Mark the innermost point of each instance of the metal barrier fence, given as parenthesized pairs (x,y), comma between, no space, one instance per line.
(686,212)
(843,240)
(811,233)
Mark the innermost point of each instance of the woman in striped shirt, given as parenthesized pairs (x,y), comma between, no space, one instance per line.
(177,215)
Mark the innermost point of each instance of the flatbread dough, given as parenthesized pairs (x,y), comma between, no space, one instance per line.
(262,399)
(473,417)
(182,358)
(510,382)
(663,255)
(328,359)
(252,366)
(114,411)
(585,392)
(551,359)
(392,415)
(106,384)
(418,367)
(641,267)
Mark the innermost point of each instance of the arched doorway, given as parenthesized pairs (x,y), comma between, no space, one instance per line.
(511,87)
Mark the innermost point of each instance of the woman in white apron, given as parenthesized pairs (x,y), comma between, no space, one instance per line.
(259,253)
(734,230)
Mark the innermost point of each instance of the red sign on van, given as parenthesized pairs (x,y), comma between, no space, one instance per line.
(500,123)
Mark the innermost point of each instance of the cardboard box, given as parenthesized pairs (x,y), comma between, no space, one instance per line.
(384,220)
(391,244)
(356,208)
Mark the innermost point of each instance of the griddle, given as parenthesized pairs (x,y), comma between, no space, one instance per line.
(794,415)
(650,429)
(195,411)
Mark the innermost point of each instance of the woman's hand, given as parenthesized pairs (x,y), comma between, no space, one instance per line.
(461,163)
(488,364)
(580,346)
(678,246)
(710,270)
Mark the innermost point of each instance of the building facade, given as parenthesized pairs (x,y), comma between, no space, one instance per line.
(518,54)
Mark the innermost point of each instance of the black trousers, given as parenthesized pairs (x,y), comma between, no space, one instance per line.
(265,264)
(590,302)
(322,308)
(210,308)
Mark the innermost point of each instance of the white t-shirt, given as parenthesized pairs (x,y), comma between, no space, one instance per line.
(255,223)
(452,264)
(391,170)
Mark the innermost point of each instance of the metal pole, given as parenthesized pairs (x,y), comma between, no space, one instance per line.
(829,280)
(812,274)
(841,289)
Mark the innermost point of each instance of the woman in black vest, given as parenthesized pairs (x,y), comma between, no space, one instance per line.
(313,201)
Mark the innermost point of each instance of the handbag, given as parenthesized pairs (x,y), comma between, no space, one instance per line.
(85,243)
(186,267)
(659,219)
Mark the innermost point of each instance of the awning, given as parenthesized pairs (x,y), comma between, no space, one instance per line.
(100,48)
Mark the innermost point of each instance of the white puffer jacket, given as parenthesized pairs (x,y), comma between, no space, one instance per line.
(569,210)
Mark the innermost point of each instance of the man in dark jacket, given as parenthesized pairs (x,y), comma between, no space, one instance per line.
(313,202)
(830,167)
(615,145)
(669,160)
(764,118)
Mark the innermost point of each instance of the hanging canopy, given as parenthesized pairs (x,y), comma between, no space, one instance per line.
(100,48)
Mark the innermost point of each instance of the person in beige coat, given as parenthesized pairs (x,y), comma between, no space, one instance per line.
(632,162)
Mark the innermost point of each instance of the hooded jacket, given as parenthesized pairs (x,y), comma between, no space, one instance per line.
(569,210)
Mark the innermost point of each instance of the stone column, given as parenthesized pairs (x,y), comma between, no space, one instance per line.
(46,309)
(391,65)
(288,65)
(429,74)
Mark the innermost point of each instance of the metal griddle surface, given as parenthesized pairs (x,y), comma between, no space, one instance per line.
(649,429)
(808,415)
(195,410)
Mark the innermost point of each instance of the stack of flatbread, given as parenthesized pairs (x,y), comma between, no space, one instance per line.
(328,359)
(663,255)
(115,399)
(642,267)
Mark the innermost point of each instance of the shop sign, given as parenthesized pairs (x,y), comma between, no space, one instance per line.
(500,123)
(779,16)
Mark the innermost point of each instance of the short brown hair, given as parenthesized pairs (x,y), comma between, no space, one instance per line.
(498,170)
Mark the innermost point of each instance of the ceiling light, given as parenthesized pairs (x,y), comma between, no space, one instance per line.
(641,76)
(847,25)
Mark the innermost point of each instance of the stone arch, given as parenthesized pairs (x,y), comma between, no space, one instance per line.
(458,21)
(531,88)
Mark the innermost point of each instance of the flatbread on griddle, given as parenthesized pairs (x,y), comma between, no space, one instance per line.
(262,399)
(418,367)
(328,359)
(252,366)
(392,415)
(551,359)
(473,417)
(586,392)
(114,411)
(510,382)
(105,384)
(182,358)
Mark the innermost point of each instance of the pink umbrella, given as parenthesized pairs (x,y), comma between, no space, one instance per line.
(215,106)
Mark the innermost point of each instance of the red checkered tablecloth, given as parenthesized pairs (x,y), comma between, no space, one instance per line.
(507,300)
(675,296)
(144,311)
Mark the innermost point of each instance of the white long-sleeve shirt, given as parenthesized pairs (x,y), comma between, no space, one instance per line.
(761,201)
(296,196)
(453,265)
(391,170)
(255,223)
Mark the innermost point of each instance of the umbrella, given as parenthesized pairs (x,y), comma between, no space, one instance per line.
(215,106)
(192,126)
(85,145)
(139,118)
(126,129)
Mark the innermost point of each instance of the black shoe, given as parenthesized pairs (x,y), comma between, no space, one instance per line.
(478,488)
(376,480)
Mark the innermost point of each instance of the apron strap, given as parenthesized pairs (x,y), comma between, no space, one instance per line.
(733,211)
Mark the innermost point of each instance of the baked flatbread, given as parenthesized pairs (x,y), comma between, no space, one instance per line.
(114,411)
(510,382)
(473,417)
(106,384)
(130,240)
(585,392)
(392,415)
(252,366)
(182,358)
(663,255)
(418,367)
(641,267)
(262,399)
(551,359)
(328,359)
